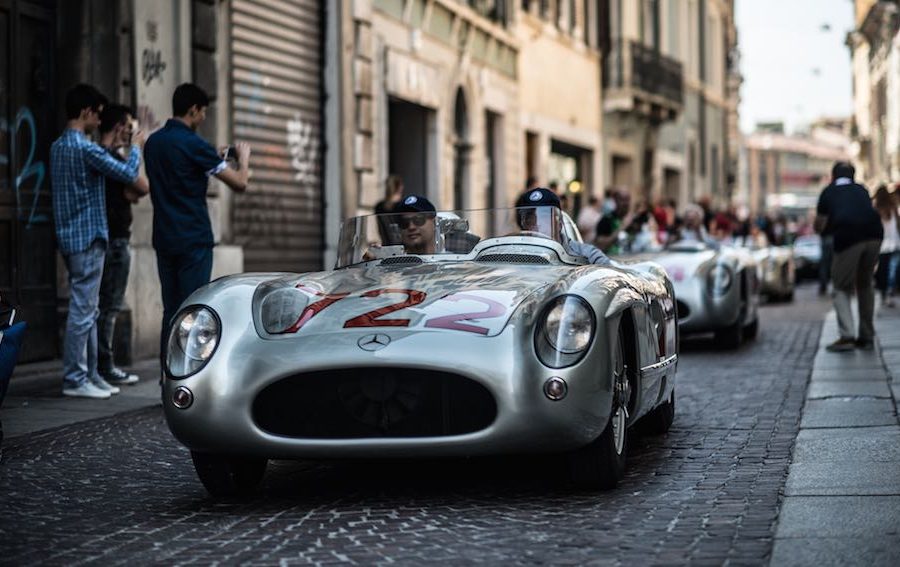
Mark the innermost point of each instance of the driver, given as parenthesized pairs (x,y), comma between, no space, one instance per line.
(415,217)
(528,219)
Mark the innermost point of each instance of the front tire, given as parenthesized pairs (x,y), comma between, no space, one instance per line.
(601,463)
(226,475)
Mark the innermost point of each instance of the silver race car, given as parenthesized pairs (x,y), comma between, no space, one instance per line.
(777,274)
(716,287)
(474,333)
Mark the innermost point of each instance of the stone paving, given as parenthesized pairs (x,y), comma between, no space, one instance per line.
(122,490)
(842,504)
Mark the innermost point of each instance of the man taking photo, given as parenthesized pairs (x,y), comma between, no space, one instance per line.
(179,165)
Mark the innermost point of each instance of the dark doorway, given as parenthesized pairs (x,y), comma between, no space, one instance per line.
(569,167)
(27,127)
(408,144)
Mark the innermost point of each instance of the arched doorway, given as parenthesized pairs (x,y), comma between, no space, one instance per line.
(462,149)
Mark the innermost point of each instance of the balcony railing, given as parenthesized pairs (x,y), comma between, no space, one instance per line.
(636,76)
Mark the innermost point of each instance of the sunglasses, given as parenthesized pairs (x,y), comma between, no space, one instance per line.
(405,222)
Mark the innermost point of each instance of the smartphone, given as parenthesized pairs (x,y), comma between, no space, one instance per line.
(230,153)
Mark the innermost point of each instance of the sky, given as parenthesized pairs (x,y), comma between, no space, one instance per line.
(795,65)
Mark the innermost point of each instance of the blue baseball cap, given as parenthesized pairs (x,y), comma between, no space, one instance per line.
(414,204)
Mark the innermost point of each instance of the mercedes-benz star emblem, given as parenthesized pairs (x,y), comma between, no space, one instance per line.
(373,342)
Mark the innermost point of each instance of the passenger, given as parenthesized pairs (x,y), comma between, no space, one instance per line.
(693,229)
(415,216)
(528,221)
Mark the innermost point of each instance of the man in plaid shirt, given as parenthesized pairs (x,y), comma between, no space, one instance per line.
(78,168)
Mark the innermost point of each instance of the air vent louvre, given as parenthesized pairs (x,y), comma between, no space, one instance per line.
(513,258)
(401,260)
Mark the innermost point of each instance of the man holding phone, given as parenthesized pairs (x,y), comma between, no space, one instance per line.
(117,128)
(179,164)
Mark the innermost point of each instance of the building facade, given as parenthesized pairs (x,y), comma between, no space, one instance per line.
(789,171)
(875,53)
(464,100)
(673,134)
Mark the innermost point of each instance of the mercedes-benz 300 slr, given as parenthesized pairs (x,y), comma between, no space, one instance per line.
(717,290)
(477,337)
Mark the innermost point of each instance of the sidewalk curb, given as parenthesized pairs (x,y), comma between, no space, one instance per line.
(34,403)
(841,501)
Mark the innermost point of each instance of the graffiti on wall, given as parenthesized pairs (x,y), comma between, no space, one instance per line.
(32,173)
(304,152)
(301,143)
(147,119)
(152,64)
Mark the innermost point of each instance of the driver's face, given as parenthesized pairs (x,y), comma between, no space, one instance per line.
(417,232)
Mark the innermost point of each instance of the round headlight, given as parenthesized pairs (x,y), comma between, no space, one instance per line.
(569,325)
(192,341)
(720,279)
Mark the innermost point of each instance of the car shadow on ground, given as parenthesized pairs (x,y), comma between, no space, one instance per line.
(509,479)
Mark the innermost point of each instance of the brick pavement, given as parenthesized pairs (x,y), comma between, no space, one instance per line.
(122,490)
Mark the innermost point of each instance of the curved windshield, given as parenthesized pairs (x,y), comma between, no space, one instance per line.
(375,237)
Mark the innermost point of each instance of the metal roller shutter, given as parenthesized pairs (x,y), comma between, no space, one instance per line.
(276,60)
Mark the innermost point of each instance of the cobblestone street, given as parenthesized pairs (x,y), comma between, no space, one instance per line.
(122,491)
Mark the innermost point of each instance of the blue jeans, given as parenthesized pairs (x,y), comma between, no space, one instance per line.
(180,275)
(886,275)
(80,343)
(112,293)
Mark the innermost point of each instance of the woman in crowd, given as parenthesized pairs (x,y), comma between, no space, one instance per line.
(888,261)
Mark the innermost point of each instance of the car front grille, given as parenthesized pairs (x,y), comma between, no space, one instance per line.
(374,402)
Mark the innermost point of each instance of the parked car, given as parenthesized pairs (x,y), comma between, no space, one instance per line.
(807,255)
(716,289)
(510,345)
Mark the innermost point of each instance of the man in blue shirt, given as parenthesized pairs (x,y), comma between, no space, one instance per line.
(78,167)
(179,165)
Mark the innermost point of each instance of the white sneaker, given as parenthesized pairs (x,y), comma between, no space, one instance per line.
(86,390)
(104,385)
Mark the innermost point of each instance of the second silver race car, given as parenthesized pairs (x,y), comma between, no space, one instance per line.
(717,290)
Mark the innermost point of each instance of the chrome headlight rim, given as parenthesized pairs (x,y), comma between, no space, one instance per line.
(549,355)
(176,321)
(712,285)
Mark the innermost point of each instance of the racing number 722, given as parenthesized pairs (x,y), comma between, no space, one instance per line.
(371,319)
(413,297)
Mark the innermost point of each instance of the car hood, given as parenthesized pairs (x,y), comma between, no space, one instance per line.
(457,297)
(681,265)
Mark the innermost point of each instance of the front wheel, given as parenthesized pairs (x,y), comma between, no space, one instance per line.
(601,463)
(226,475)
